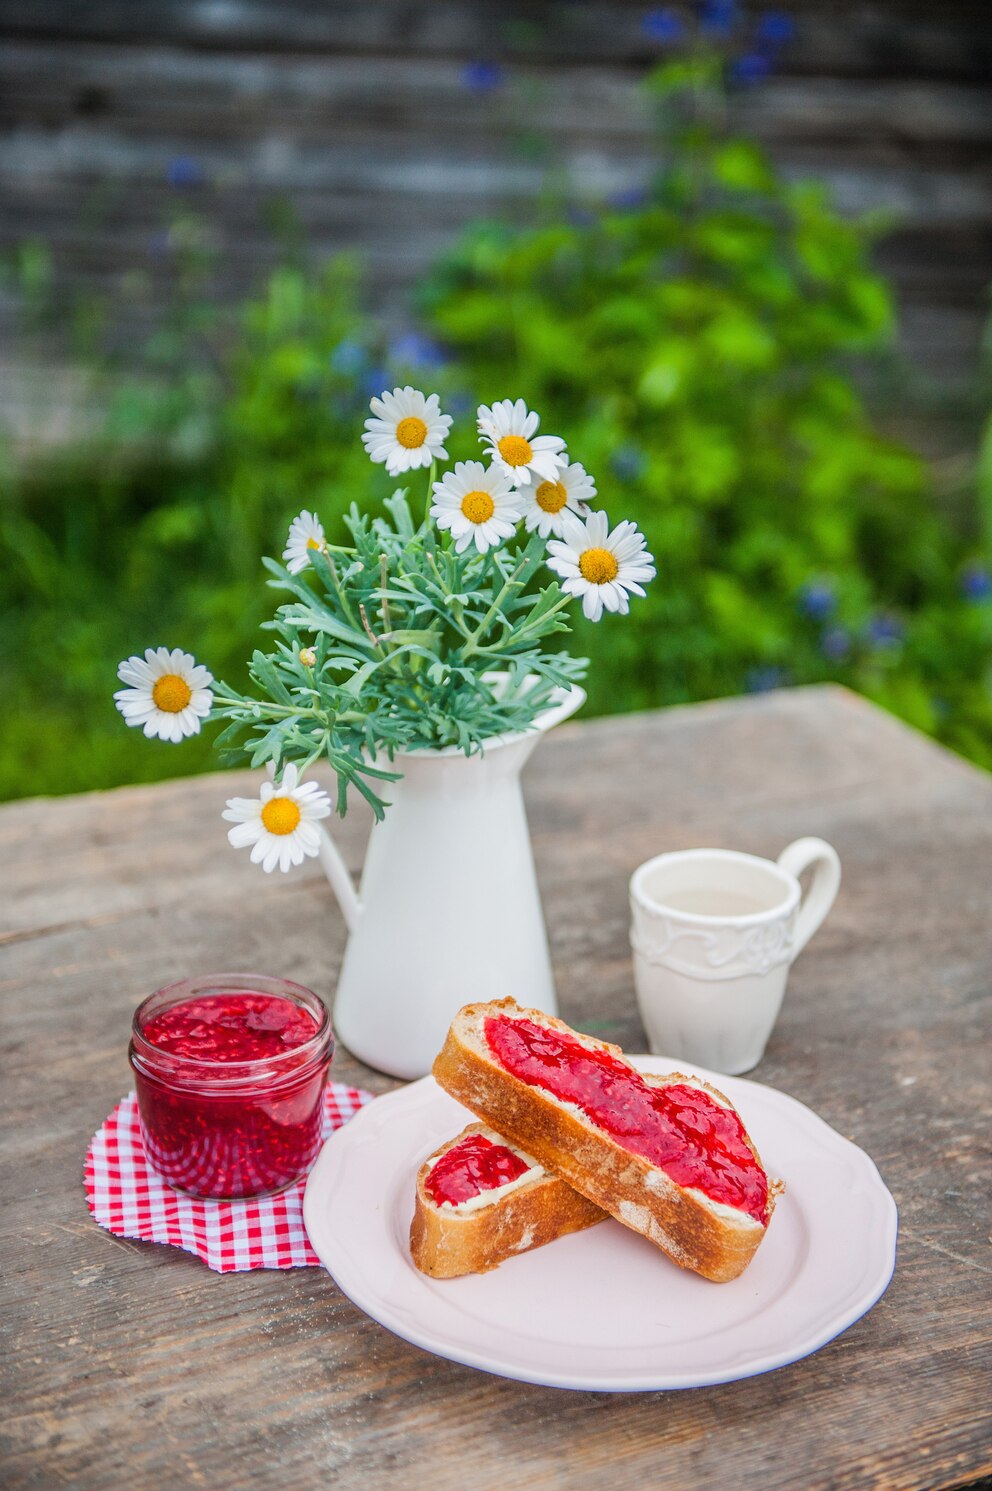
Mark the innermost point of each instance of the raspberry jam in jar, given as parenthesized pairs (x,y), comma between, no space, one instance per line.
(230,1071)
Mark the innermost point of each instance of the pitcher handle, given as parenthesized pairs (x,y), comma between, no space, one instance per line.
(339,876)
(796,858)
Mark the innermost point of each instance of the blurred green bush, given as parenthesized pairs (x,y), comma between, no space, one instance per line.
(693,344)
(696,346)
(153,530)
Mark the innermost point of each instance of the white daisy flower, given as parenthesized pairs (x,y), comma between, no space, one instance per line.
(546,503)
(408,432)
(477,503)
(306,533)
(509,429)
(280,823)
(168,694)
(600,566)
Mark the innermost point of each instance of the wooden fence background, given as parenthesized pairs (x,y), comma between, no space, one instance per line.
(387,125)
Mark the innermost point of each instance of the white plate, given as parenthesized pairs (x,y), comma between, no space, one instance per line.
(604,1309)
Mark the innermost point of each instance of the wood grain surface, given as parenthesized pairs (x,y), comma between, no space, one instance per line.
(130,1365)
(362,119)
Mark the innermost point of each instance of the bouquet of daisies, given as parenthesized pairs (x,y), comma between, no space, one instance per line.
(390,642)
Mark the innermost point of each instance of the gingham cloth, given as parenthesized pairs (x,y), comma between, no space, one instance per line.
(130,1200)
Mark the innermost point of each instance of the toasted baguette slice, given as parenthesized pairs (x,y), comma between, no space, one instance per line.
(715,1240)
(447,1241)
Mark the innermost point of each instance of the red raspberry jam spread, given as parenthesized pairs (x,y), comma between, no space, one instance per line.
(240,1026)
(682,1130)
(471,1167)
(230,1072)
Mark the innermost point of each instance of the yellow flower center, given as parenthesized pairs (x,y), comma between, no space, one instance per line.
(308,657)
(316,543)
(171,693)
(515,450)
(551,496)
(280,815)
(411,432)
(478,507)
(598,566)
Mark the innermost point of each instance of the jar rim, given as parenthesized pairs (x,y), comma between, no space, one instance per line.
(200,985)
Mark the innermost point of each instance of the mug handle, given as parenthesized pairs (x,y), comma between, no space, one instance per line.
(796,858)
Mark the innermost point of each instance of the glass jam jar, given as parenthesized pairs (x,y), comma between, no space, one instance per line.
(230,1071)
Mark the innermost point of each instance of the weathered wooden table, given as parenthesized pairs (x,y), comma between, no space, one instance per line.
(131,1365)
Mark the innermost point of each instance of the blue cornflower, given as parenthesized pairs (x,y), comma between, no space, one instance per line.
(414,350)
(184,170)
(460,403)
(717,17)
(628,462)
(375,381)
(885,630)
(752,67)
(774,29)
(817,599)
(630,198)
(976,582)
(159,244)
(482,76)
(763,680)
(835,643)
(347,357)
(664,26)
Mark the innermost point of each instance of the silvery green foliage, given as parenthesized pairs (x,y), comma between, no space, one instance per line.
(405,633)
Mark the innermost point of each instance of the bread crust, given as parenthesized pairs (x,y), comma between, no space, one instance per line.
(447,1244)
(714,1241)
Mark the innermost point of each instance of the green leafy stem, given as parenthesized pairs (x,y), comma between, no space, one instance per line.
(391,643)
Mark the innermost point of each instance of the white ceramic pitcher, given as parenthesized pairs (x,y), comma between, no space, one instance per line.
(449,910)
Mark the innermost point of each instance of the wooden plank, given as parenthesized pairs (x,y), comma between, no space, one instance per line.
(902,38)
(320,134)
(35,163)
(936,227)
(130,1366)
(381,147)
(54,84)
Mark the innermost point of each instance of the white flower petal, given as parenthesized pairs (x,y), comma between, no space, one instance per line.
(309,837)
(240,809)
(592,603)
(135,670)
(243,834)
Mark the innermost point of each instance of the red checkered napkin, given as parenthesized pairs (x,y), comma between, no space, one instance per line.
(128,1198)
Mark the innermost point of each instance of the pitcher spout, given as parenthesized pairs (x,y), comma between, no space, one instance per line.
(566,702)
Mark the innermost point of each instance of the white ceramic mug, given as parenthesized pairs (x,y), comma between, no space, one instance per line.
(714,933)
